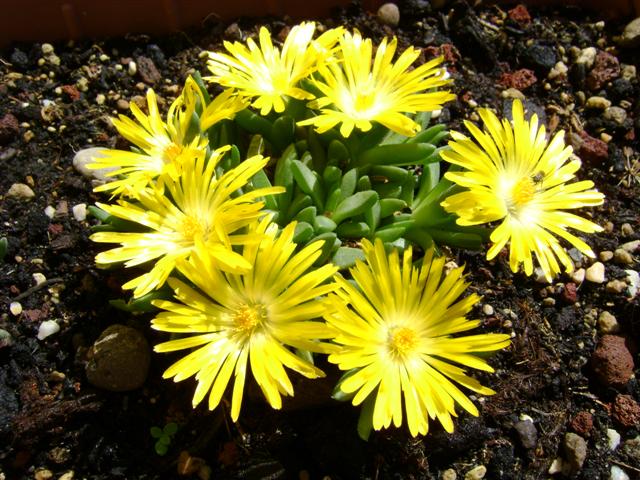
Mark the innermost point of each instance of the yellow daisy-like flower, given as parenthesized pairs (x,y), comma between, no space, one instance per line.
(196,210)
(250,319)
(163,146)
(395,329)
(357,93)
(268,74)
(515,175)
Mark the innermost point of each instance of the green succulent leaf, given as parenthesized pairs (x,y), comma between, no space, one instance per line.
(354,230)
(302,233)
(354,205)
(389,206)
(308,182)
(349,182)
(323,224)
(399,155)
(346,257)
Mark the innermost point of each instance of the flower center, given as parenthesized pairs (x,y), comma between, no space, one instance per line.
(191,227)
(401,340)
(171,152)
(522,192)
(248,317)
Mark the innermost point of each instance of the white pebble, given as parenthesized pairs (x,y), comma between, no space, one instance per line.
(86,156)
(587,56)
(598,103)
(540,276)
(389,14)
(20,190)
(595,273)
(132,68)
(578,276)
(556,466)
(79,212)
(15,308)
(50,211)
(614,439)
(633,279)
(47,48)
(39,278)
(487,309)
(48,327)
(100,99)
(631,247)
(476,473)
(618,474)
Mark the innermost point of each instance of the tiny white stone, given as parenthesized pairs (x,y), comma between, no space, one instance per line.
(614,439)
(50,211)
(595,273)
(15,308)
(587,56)
(132,68)
(39,278)
(47,48)
(86,156)
(79,212)
(487,309)
(48,327)
(556,466)
(618,474)
(578,276)
(633,279)
(631,247)
(540,275)
(100,99)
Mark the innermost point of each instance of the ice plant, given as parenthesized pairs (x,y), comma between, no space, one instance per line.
(201,211)
(395,327)
(162,146)
(268,74)
(357,91)
(248,321)
(515,176)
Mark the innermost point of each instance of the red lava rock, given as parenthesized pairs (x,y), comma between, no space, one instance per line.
(570,293)
(447,50)
(520,14)
(519,79)
(9,128)
(582,424)
(605,68)
(148,71)
(72,92)
(626,411)
(612,362)
(55,229)
(593,150)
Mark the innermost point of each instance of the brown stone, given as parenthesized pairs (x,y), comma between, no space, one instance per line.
(570,293)
(582,423)
(626,411)
(72,92)
(605,68)
(9,128)
(593,150)
(520,14)
(148,71)
(612,362)
(520,79)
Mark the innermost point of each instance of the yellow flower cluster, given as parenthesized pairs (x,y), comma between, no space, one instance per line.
(250,297)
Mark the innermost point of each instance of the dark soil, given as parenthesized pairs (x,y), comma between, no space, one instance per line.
(53,422)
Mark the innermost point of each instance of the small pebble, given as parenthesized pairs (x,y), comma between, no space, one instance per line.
(20,190)
(389,14)
(558,71)
(595,273)
(587,56)
(476,473)
(15,308)
(39,278)
(598,103)
(132,68)
(67,476)
(527,433)
(86,156)
(122,104)
(629,73)
(47,48)
(578,275)
(617,473)
(626,229)
(633,279)
(100,99)
(631,247)
(80,212)
(616,286)
(6,340)
(549,302)
(449,474)
(47,328)
(575,449)
(613,439)
(539,275)
(512,93)
(43,474)
(556,466)
(615,114)
(605,255)
(607,323)
(622,257)
(487,309)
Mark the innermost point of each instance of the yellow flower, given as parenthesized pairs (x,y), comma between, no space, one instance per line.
(268,74)
(248,319)
(396,328)
(357,93)
(163,146)
(200,211)
(513,174)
